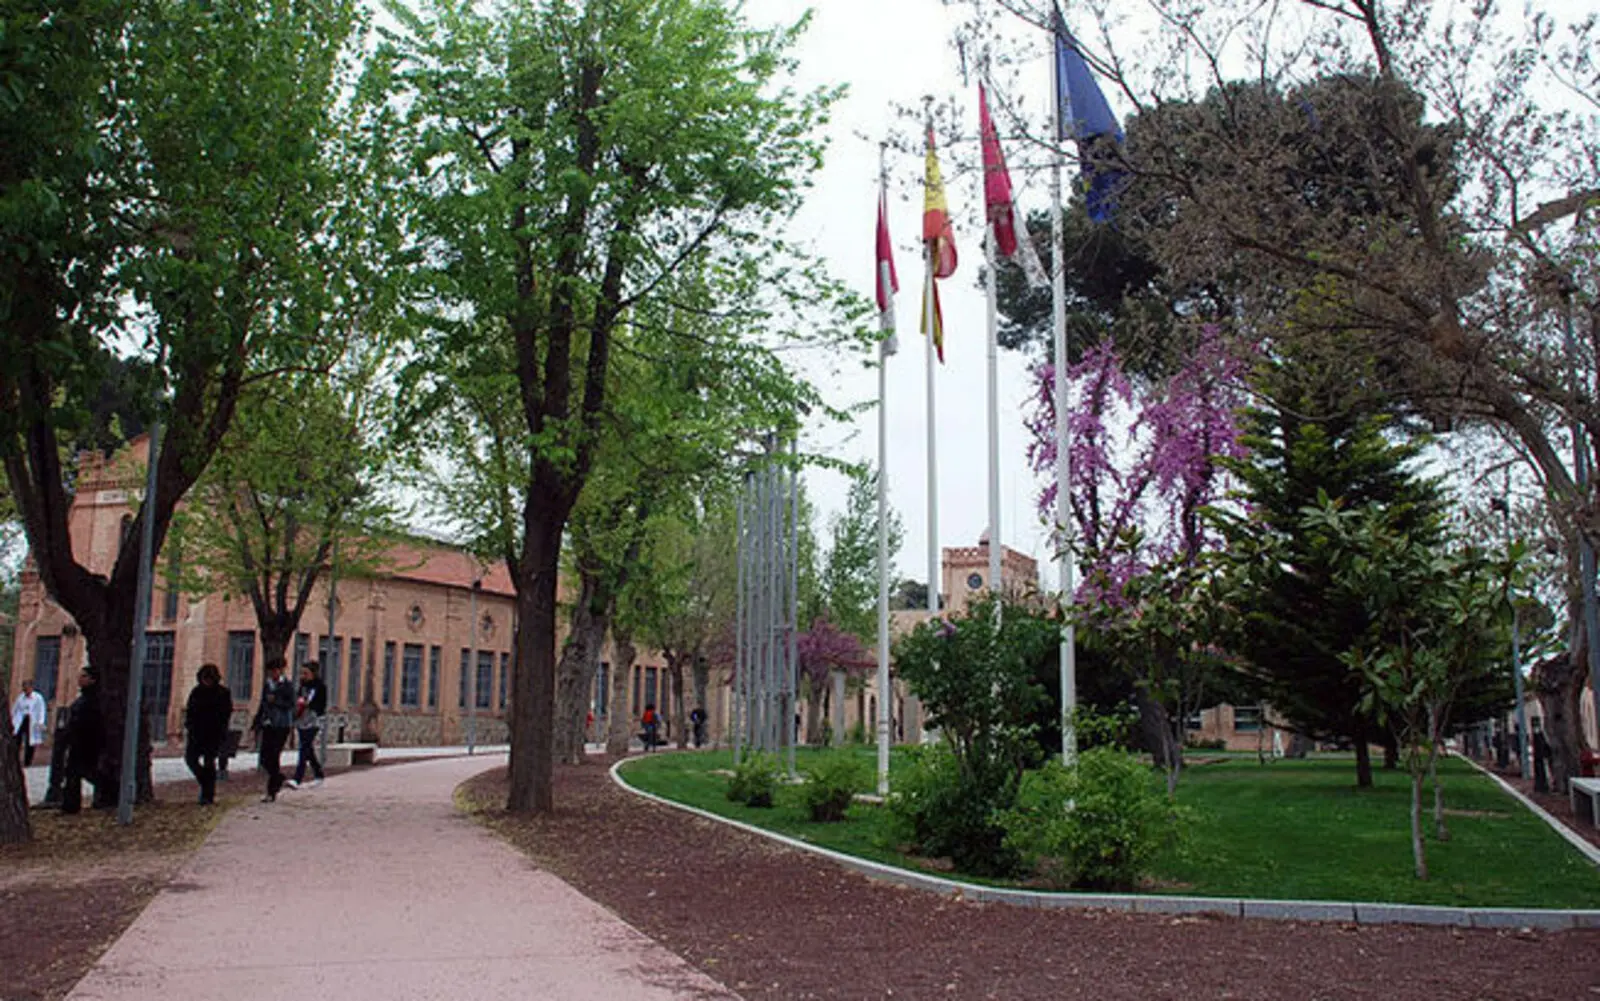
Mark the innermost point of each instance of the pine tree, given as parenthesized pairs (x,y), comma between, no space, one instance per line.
(1311,440)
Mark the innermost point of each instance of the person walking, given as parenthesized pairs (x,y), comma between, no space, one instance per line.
(206,717)
(27,721)
(85,735)
(651,722)
(311,701)
(273,719)
(697,723)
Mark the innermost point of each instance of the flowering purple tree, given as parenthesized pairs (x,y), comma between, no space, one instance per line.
(823,649)
(1145,464)
(1144,460)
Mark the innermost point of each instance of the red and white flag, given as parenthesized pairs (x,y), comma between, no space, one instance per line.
(887,281)
(1010,230)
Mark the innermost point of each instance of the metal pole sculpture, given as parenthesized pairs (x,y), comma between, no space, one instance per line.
(767,609)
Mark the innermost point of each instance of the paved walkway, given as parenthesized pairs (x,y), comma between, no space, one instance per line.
(402,899)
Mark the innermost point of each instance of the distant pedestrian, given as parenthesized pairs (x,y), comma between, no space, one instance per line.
(697,723)
(85,736)
(27,721)
(273,719)
(311,701)
(206,717)
(651,722)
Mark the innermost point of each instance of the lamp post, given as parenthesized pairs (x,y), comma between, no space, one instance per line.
(1503,505)
(472,670)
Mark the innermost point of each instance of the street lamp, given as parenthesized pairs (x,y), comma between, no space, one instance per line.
(1501,505)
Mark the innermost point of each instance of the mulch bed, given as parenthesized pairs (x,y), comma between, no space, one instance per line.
(67,895)
(770,922)
(1558,805)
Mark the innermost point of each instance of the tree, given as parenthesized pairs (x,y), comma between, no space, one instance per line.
(294,493)
(1293,624)
(566,163)
(1438,622)
(167,194)
(849,580)
(1147,462)
(1408,189)
(825,652)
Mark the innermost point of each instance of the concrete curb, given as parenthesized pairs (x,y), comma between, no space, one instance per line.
(1589,851)
(1352,912)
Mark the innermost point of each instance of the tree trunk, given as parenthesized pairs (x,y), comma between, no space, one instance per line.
(619,724)
(1391,751)
(1440,831)
(532,772)
(111,653)
(580,660)
(1417,852)
(15,827)
(1560,681)
(680,717)
(1363,760)
(813,728)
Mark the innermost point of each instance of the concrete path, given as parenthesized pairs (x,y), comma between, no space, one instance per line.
(401,899)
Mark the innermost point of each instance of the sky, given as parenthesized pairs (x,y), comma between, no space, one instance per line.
(890,53)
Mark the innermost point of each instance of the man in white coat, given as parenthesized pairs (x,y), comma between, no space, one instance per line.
(27,721)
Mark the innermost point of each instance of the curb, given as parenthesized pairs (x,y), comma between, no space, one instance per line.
(1589,851)
(1352,912)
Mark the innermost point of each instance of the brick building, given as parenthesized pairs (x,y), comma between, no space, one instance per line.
(413,644)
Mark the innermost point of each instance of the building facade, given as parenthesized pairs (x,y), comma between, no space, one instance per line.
(418,654)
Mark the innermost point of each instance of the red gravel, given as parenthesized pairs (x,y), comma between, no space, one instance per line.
(775,923)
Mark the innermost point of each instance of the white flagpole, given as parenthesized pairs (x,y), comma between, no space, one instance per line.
(1064,538)
(933,462)
(993,352)
(885,349)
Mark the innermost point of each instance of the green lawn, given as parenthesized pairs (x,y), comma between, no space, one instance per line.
(1288,830)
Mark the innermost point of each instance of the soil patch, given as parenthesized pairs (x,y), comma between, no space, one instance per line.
(67,895)
(774,923)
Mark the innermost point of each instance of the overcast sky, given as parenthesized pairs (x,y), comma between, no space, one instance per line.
(889,53)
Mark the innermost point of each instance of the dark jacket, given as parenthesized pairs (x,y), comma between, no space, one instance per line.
(206,716)
(316,695)
(85,731)
(277,705)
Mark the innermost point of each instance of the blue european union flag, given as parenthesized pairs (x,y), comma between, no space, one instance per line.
(1087,119)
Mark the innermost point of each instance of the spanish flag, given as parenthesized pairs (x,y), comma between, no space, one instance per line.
(939,239)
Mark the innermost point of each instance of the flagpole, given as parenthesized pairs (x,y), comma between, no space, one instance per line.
(1064,538)
(993,353)
(929,321)
(885,349)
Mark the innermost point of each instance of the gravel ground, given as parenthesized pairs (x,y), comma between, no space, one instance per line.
(773,923)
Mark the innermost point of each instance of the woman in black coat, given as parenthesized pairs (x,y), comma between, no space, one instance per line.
(206,717)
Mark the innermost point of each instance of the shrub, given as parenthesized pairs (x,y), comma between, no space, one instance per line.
(831,785)
(1097,825)
(944,809)
(754,780)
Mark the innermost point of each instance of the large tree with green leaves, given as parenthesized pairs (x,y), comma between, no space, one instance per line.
(849,579)
(1293,624)
(1409,186)
(166,192)
(294,494)
(566,162)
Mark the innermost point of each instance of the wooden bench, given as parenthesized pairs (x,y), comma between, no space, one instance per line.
(350,755)
(1589,789)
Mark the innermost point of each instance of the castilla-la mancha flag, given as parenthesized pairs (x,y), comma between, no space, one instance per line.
(887,281)
(939,239)
(1000,204)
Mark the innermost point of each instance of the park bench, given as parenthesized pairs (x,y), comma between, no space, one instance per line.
(349,755)
(1585,789)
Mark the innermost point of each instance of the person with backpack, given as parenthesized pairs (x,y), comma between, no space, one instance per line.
(273,719)
(651,722)
(311,701)
(205,717)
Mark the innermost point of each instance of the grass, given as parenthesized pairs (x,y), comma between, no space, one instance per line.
(1288,830)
